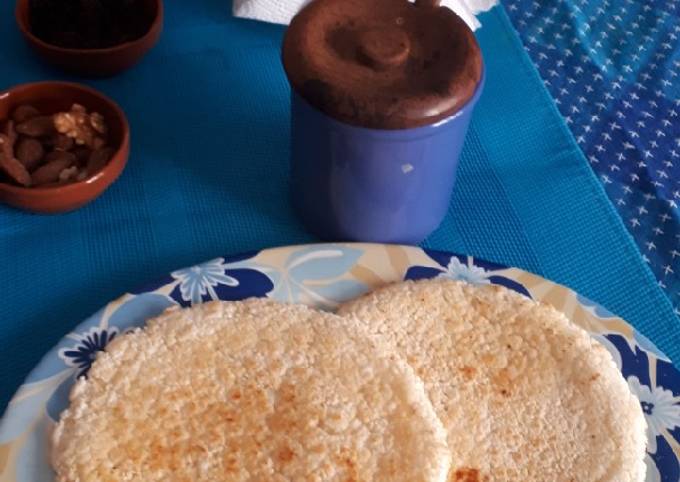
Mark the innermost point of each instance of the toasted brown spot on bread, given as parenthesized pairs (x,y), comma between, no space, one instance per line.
(466,475)
(468,372)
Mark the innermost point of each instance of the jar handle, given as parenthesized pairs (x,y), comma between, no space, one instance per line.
(428,3)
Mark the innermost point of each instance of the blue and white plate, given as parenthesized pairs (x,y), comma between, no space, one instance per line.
(324,276)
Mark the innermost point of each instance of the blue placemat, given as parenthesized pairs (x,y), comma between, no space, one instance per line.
(615,75)
(208,176)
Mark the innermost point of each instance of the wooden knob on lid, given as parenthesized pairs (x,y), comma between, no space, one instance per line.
(382,48)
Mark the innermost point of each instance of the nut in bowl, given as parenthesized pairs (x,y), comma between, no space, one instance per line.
(61,145)
(98,38)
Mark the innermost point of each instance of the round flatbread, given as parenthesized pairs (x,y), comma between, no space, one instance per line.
(524,394)
(249,391)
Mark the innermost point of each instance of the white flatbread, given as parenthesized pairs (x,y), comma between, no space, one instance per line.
(249,391)
(524,394)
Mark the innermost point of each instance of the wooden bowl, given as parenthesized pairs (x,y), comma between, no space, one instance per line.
(93,62)
(51,97)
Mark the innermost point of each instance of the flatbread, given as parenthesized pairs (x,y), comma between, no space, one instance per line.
(524,394)
(249,391)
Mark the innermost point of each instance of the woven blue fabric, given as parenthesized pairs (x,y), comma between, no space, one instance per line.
(208,176)
(616,79)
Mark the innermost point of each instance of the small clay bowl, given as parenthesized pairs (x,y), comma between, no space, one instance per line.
(51,97)
(93,62)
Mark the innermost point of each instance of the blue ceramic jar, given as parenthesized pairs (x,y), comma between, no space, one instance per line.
(374,177)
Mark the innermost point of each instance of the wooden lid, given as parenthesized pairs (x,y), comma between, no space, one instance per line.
(384,64)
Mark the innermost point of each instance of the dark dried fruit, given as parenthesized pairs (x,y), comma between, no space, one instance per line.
(29,152)
(10,165)
(40,126)
(10,132)
(49,173)
(58,155)
(98,159)
(24,113)
(82,154)
(59,141)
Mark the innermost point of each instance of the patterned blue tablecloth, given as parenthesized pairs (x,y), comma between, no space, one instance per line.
(613,68)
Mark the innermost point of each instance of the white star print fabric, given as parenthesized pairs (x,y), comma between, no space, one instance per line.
(613,68)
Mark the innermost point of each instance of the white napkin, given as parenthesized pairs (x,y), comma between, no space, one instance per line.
(282,11)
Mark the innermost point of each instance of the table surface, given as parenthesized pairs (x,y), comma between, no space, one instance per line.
(207,176)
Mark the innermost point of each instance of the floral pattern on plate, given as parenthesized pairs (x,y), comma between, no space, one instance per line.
(465,268)
(323,276)
(88,344)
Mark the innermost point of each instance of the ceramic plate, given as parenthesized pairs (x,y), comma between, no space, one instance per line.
(325,275)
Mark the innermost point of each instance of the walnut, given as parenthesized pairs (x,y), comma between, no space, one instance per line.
(68,174)
(97,122)
(86,129)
